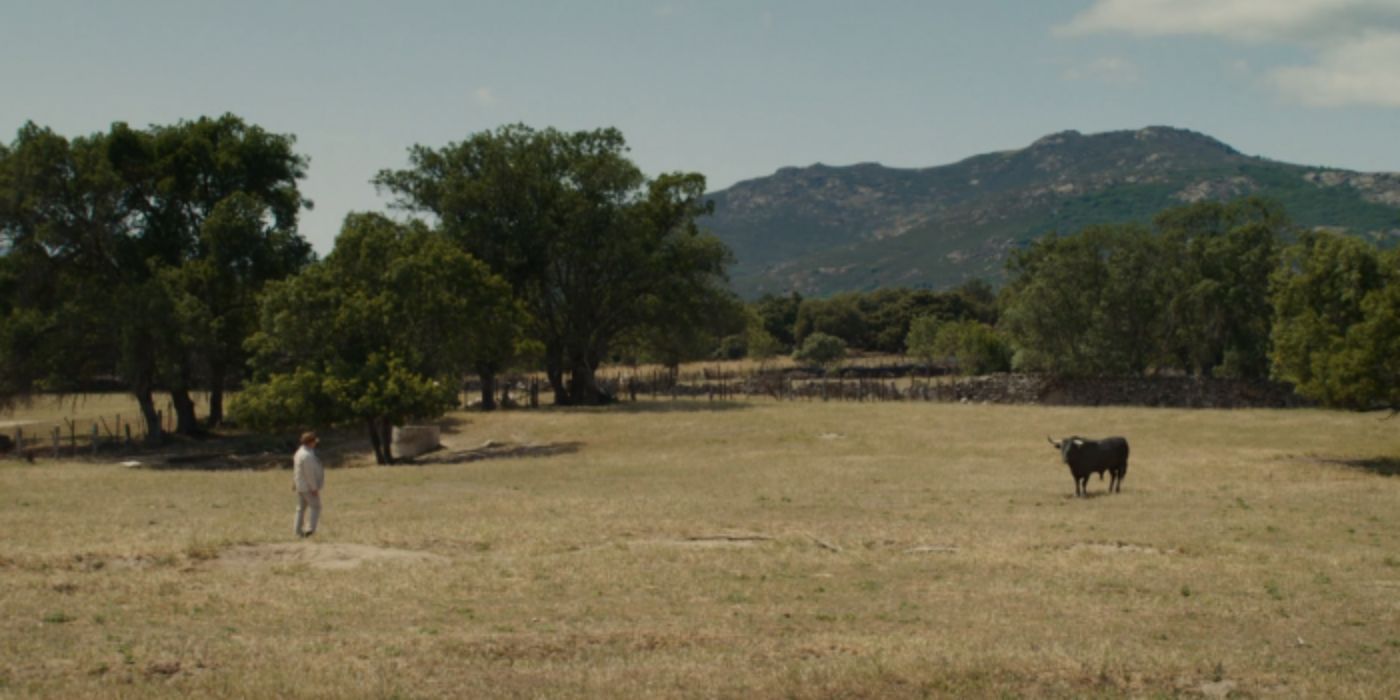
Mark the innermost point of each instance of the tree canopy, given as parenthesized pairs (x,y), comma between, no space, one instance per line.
(821,349)
(592,248)
(1336,331)
(136,254)
(378,333)
(1189,294)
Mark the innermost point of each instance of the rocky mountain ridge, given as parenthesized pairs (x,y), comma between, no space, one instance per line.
(823,229)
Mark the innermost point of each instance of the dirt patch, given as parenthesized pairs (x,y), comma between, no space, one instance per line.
(332,556)
(714,541)
(1114,548)
(933,549)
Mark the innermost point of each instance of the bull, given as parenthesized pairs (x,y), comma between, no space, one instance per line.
(1086,457)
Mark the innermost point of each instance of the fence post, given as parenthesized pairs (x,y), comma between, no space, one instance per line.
(94,439)
(57,435)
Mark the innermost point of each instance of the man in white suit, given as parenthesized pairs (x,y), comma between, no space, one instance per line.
(308,477)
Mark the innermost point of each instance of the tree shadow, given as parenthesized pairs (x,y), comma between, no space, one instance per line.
(452,423)
(246,452)
(1382,466)
(495,451)
(661,406)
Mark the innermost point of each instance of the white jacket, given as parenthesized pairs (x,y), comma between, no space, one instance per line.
(307,473)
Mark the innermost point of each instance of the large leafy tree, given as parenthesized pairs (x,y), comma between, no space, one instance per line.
(136,254)
(1190,294)
(72,269)
(1220,312)
(377,334)
(1088,304)
(585,240)
(219,202)
(779,316)
(1336,326)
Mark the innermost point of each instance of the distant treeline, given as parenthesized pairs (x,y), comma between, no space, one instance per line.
(1229,290)
(168,258)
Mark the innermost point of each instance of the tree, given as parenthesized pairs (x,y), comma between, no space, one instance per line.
(124,265)
(1220,311)
(976,346)
(839,316)
(378,333)
(590,245)
(74,269)
(1088,304)
(879,320)
(219,202)
(921,342)
(779,314)
(1337,321)
(821,349)
(686,325)
(759,343)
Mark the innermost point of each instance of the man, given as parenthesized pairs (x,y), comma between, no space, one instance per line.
(308,476)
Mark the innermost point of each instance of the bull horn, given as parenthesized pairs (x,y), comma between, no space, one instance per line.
(1052,442)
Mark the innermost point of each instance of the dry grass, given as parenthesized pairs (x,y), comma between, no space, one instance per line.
(75,415)
(730,550)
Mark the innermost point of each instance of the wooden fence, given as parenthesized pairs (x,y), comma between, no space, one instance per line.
(74,437)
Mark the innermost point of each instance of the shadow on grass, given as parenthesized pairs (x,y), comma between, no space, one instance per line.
(1384,466)
(1092,495)
(661,406)
(495,451)
(452,423)
(255,452)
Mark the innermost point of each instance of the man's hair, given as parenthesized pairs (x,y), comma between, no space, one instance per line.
(308,437)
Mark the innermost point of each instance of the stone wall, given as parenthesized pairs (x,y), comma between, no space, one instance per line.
(413,440)
(1183,392)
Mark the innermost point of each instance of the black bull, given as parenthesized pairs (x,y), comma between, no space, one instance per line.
(1086,457)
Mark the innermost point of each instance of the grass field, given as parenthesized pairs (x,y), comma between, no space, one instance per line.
(737,550)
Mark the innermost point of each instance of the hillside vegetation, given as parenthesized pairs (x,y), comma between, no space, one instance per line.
(823,229)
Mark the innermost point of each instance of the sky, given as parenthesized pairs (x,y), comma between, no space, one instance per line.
(732,89)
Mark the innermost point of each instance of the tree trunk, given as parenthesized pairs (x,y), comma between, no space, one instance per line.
(386,436)
(488,388)
(583,386)
(186,423)
(216,398)
(155,435)
(381,450)
(554,369)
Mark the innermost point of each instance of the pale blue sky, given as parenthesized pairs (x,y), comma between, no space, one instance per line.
(732,89)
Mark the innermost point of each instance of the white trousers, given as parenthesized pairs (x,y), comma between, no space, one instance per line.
(305,501)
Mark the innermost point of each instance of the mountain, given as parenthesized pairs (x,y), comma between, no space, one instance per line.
(823,229)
